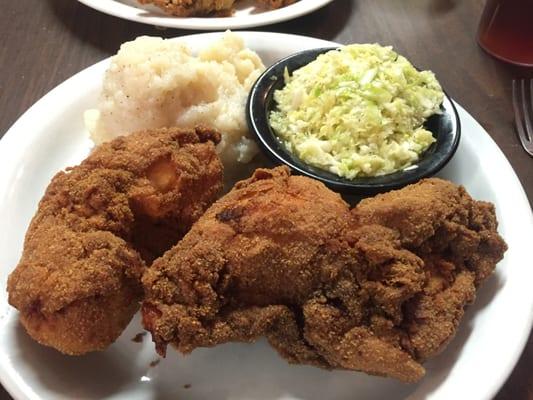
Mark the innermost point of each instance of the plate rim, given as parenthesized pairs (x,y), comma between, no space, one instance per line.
(10,141)
(125,11)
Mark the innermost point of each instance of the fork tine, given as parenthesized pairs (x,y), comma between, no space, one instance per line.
(517,115)
(531,102)
(531,91)
(525,110)
(522,113)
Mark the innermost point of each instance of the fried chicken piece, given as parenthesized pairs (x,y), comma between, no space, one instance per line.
(193,8)
(373,290)
(77,284)
(201,8)
(457,239)
(248,265)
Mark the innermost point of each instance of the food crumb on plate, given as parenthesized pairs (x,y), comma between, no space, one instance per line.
(138,338)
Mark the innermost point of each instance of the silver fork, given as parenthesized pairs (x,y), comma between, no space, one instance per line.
(523,112)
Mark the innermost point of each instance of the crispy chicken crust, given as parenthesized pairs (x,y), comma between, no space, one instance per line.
(379,289)
(200,8)
(77,284)
(193,8)
(457,239)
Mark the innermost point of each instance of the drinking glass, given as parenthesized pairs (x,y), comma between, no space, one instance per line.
(506,30)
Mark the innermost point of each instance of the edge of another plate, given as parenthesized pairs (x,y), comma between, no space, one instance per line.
(132,13)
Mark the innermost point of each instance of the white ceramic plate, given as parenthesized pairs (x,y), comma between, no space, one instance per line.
(246,14)
(50,136)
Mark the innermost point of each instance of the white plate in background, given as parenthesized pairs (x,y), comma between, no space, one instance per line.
(50,136)
(246,14)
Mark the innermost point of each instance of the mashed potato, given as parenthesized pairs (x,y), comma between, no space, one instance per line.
(153,83)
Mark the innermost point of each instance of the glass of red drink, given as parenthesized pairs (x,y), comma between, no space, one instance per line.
(506,30)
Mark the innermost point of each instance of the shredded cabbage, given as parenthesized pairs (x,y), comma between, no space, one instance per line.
(357,111)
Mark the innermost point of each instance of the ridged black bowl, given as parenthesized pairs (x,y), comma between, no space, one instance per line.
(445,127)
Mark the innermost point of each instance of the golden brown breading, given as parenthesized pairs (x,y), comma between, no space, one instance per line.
(77,284)
(245,263)
(457,239)
(200,8)
(193,8)
(373,290)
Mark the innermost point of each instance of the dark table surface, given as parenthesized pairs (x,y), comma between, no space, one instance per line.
(47,41)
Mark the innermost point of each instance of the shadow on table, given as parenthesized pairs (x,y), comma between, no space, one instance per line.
(438,7)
